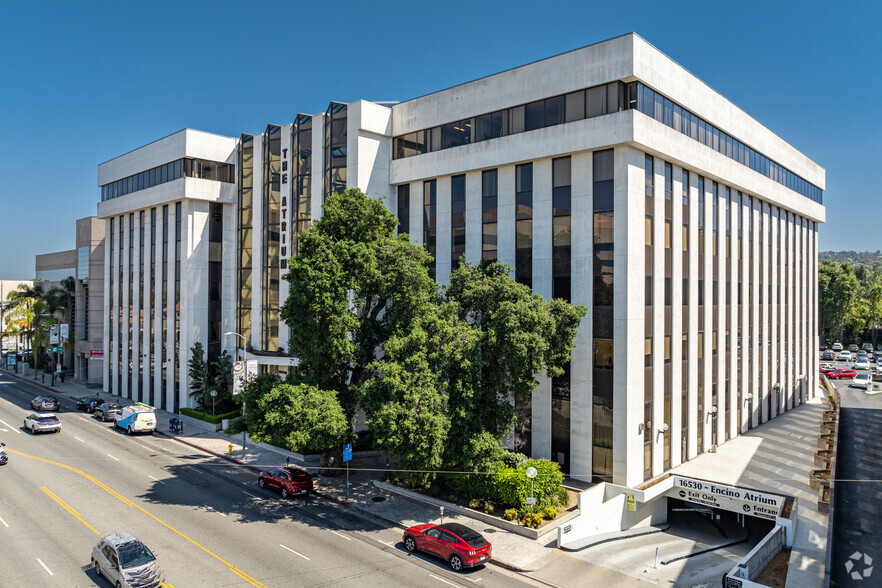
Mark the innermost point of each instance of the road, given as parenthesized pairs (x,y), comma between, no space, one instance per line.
(207,520)
(857,501)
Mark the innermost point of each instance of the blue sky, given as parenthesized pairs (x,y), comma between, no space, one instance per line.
(81,83)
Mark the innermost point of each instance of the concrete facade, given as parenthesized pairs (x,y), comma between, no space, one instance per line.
(88,320)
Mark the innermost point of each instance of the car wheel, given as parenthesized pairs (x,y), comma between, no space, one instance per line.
(455,562)
(97,567)
(118,585)
(284,492)
(130,431)
(260,482)
(58,430)
(410,544)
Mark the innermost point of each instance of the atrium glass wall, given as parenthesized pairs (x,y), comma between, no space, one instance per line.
(715,323)
(335,148)
(131,315)
(151,357)
(668,300)
(457,220)
(604,254)
(303,177)
(271,237)
(430,211)
(111,351)
(246,237)
(489,218)
(141,354)
(120,317)
(524,224)
(404,209)
(162,395)
(178,227)
(702,359)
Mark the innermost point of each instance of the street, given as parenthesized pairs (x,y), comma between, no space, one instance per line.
(206,519)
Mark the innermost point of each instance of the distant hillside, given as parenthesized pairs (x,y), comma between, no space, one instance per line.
(866,259)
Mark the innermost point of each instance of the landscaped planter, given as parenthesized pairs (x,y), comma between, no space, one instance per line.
(824,499)
(823,458)
(819,478)
(826,441)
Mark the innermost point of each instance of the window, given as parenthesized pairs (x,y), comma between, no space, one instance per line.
(489,232)
(458,220)
(186,167)
(524,224)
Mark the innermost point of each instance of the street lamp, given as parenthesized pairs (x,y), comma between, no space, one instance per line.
(531,473)
(237,347)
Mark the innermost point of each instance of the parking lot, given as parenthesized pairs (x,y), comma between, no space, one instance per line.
(853,368)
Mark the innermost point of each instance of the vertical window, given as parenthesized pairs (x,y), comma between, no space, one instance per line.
(245,236)
(561,240)
(457,220)
(336,122)
(524,224)
(152,310)
(404,209)
(489,225)
(141,303)
(648,375)
(163,404)
(430,209)
(271,234)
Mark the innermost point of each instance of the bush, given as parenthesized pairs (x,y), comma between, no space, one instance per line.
(214,419)
(516,460)
(513,487)
(474,503)
(452,498)
(532,521)
(510,514)
(550,512)
(489,508)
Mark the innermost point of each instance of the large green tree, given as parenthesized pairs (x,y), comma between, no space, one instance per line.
(837,291)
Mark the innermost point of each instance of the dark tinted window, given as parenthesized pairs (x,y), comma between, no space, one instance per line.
(468,534)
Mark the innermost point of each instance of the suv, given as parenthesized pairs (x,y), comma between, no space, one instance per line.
(46,403)
(126,562)
(837,347)
(107,411)
(42,422)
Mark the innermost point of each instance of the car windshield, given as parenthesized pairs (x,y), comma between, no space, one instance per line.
(113,407)
(134,553)
(468,535)
(47,420)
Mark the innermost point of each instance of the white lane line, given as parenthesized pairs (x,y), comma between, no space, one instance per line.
(110,456)
(212,509)
(475,580)
(143,447)
(155,479)
(10,426)
(249,494)
(44,567)
(78,439)
(294,552)
(443,580)
(4,522)
(386,543)
(340,535)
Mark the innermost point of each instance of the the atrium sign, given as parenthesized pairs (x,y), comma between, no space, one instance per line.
(731,498)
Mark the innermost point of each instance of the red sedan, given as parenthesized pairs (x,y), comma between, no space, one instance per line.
(846,374)
(826,368)
(288,480)
(457,544)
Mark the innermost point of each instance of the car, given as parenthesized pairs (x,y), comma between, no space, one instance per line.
(853,347)
(137,418)
(288,480)
(837,347)
(845,356)
(845,374)
(460,546)
(868,346)
(824,347)
(825,367)
(861,364)
(48,403)
(878,346)
(828,355)
(88,403)
(126,562)
(107,411)
(42,422)
(862,381)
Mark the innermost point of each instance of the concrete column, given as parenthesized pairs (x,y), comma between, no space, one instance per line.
(108,324)
(582,268)
(170,314)
(135,393)
(764,313)
(416,212)
(788,310)
(720,416)
(542,211)
(745,314)
(505,201)
(732,425)
(708,315)
(474,216)
(692,309)
(194,291)
(157,313)
(126,318)
(443,239)
(677,310)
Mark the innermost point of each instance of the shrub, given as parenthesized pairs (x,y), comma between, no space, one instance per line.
(452,498)
(516,460)
(489,508)
(532,521)
(510,514)
(474,503)
(214,419)
(513,487)
(550,512)
(434,491)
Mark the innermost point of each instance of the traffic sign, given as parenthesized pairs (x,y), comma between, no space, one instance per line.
(347,452)
(55,349)
(531,501)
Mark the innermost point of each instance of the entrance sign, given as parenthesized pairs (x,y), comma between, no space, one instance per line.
(731,498)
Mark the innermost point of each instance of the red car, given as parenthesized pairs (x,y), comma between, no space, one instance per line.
(846,374)
(288,480)
(825,368)
(457,544)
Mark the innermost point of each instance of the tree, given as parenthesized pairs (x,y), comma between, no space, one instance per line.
(199,381)
(837,292)
(222,382)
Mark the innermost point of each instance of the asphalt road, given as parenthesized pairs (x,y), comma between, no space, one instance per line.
(857,501)
(207,520)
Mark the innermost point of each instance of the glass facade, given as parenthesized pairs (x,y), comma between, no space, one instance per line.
(162,393)
(648,313)
(404,209)
(603,366)
(141,333)
(215,273)
(524,224)
(457,220)
(271,237)
(489,214)
(130,315)
(578,105)
(302,181)
(653,104)
(430,212)
(177,347)
(151,295)
(561,243)
(335,148)
(684,369)
(667,385)
(186,167)
(111,327)
(246,237)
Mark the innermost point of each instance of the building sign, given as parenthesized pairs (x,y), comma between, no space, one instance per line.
(96,354)
(731,498)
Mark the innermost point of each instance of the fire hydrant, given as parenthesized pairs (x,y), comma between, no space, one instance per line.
(231,449)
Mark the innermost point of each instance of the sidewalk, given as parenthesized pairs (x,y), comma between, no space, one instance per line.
(510,550)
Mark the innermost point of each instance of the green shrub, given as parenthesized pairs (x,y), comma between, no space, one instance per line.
(512,486)
(510,514)
(550,512)
(513,459)
(452,498)
(434,491)
(474,503)
(532,521)
(214,419)
(489,508)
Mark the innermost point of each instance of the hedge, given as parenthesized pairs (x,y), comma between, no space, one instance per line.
(214,419)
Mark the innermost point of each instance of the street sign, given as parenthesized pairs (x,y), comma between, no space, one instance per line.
(630,502)
(57,368)
(96,354)
(11,359)
(347,452)
(55,349)
(531,501)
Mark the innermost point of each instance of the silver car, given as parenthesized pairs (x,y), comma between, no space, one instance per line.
(126,562)
(42,422)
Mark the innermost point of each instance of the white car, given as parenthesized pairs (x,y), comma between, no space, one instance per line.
(861,364)
(861,381)
(837,347)
(845,356)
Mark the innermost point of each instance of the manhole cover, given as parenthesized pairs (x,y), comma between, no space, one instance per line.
(378,498)
(489,530)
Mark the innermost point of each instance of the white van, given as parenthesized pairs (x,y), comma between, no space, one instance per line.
(137,419)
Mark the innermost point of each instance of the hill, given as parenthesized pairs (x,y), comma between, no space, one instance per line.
(866,259)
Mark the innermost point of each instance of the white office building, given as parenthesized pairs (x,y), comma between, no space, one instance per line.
(608,176)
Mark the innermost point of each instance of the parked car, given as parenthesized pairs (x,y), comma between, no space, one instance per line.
(828,355)
(47,403)
(862,381)
(845,374)
(126,562)
(837,347)
(826,367)
(861,364)
(853,347)
(845,356)
(868,346)
(88,403)
(461,546)
(107,411)
(42,422)
(288,480)
(136,419)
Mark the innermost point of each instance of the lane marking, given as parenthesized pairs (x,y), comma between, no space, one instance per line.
(476,580)
(294,552)
(67,507)
(78,439)
(123,499)
(44,567)
(443,580)
(110,456)
(386,543)
(212,509)
(4,522)
(340,535)
(249,494)
(143,447)
(155,479)
(10,426)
